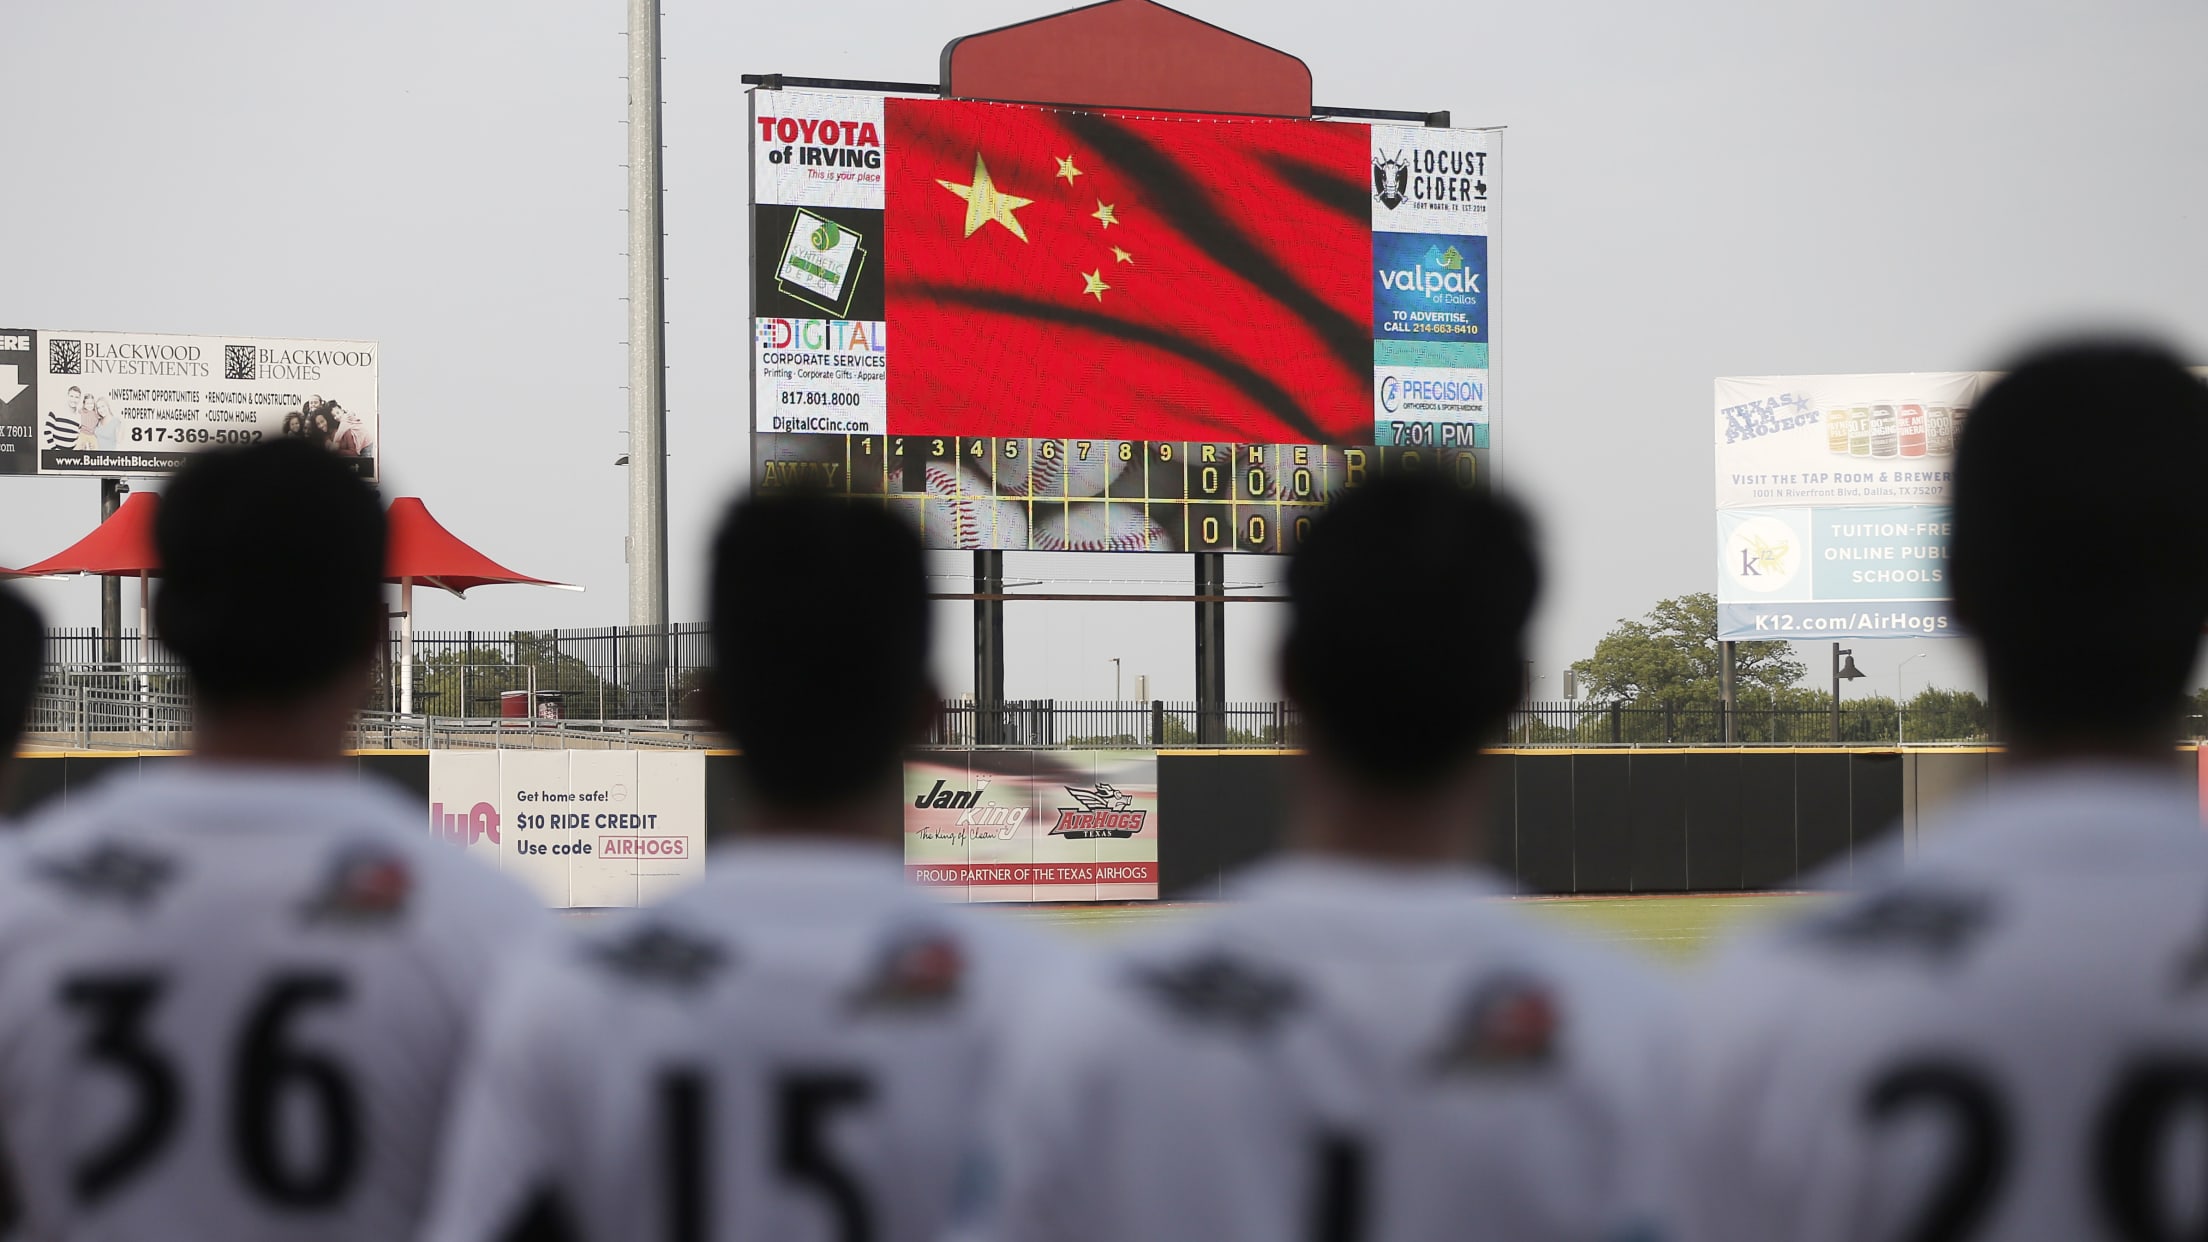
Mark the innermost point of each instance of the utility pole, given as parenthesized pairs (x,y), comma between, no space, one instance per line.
(647,542)
(1727,690)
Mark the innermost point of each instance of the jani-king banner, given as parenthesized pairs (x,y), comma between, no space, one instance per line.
(1033,825)
(1832,498)
(583,828)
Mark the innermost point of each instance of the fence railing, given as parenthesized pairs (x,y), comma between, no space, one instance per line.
(613,682)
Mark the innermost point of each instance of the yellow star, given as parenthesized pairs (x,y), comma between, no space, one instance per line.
(984,202)
(1067,170)
(1096,283)
(1122,255)
(1104,212)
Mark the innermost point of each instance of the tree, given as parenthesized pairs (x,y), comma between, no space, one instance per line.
(1937,715)
(1672,656)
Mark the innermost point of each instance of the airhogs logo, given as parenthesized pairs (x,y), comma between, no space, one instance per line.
(1104,812)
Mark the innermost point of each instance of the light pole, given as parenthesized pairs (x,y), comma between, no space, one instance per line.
(1900,708)
(1839,674)
(1115,679)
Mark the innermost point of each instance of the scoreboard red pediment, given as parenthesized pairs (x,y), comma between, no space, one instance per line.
(1127,54)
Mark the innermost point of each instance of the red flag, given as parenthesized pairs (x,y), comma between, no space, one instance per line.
(1069,274)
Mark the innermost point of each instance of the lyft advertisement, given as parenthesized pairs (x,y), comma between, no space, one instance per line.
(582,828)
(1033,825)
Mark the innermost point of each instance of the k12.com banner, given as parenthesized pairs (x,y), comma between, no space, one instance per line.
(1832,494)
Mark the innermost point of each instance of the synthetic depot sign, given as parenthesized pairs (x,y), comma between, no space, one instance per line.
(1056,329)
(1832,498)
(1034,825)
(111,404)
(584,828)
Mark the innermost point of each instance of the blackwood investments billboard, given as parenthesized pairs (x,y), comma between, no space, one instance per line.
(1062,329)
(137,403)
(1832,502)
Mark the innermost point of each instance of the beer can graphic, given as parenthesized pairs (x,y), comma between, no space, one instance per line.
(1836,431)
(1912,429)
(1962,413)
(1939,430)
(1859,431)
(1885,431)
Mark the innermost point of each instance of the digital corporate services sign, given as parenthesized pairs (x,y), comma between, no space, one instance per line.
(1061,329)
(1832,503)
(112,404)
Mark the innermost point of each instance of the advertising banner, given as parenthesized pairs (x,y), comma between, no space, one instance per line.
(110,404)
(582,828)
(1033,825)
(993,312)
(1832,498)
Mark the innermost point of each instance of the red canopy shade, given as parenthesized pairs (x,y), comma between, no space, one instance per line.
(424,551)
(121,546)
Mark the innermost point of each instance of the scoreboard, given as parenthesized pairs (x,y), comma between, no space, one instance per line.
(1097,495)
(1054,329)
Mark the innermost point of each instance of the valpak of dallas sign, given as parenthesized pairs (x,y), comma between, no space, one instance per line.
(1832,495)
(134,403)
(583,828)
(1033,825)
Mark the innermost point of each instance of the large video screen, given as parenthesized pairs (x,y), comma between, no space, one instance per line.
(1057,329)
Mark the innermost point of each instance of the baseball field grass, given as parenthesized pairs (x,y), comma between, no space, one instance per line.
(1667,928)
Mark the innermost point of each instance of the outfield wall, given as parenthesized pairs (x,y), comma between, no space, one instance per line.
(1644,820)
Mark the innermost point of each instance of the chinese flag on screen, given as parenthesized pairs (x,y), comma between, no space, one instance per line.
(1079,274)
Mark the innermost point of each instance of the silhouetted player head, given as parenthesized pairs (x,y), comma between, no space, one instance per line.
(2086,593)
(820,646)
(1409,563)
(272,572)
(22,656)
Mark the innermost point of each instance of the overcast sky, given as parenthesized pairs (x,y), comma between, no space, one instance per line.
(1692,190)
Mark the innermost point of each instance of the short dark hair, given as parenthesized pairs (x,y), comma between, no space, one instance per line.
(1412,559)
(2107,577)
(820,644)
(272,570)
(22,658)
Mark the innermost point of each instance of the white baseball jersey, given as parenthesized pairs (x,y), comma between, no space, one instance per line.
(791,1049)
(2007,1038)
(1343,1052)
(232,1002)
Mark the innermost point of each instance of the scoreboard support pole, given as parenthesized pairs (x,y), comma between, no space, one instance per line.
(989,648)
(1211,648)
(111,587)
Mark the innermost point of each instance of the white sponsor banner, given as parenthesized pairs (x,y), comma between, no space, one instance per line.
(1840,439)
(583,829)
(823,375)
(816,150)
(139,403)
(1442,407)
(1434,180)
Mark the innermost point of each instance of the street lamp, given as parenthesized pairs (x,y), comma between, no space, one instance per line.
(1901,710)
(1841,673)
(1115,679)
